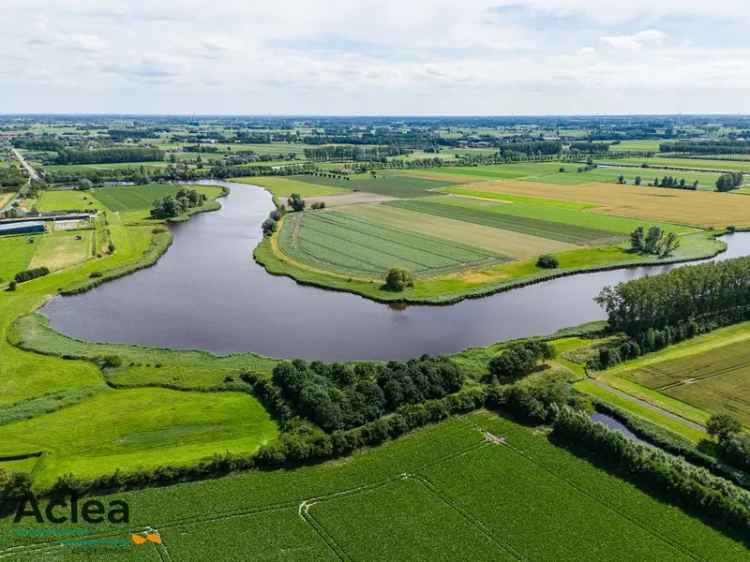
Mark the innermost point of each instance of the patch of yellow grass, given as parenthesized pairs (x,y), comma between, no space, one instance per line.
(696,208)
(61,250)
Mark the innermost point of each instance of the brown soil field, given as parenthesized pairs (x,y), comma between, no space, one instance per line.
(696,208)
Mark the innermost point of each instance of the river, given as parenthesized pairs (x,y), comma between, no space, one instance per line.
(207,293)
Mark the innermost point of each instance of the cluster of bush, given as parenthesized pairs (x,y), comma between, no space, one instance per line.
(519,360)
(296,203)
(338,396)
(30,274)
(397,279)
(548,261)
(674,183)
(734,446)
(170,207)
(710,295)
(666,475)
(654,242)
(270,225)
(536,401)
(729,181)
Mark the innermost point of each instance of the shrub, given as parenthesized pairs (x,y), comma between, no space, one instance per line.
(723,426)
(30,274)
(398,279)
(12,286)
(548,262)
(108,361)
(519,360)
(268,227)
(95,274)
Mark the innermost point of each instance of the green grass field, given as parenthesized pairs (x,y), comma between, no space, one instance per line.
(525,500)
(636,146)
(705,163)
(353,245)
(138,197)
(285,186)
(50,201)
(16,254)
(138,428)
(59,250)
(392,185)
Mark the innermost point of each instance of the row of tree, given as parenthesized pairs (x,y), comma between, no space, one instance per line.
(338,396)
(109,155)
(668,476)
(707,147)
(719,292)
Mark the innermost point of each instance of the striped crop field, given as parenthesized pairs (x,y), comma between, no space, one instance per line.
(717,380)
(504,242)
(356,246)
(497,216)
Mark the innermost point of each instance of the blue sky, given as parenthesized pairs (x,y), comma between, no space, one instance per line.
(375,57)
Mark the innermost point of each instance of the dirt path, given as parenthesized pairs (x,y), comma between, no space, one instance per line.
(21,160)
(649,405)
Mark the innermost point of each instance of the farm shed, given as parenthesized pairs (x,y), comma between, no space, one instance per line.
(24,227)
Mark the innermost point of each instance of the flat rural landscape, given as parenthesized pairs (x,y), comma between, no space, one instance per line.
(399,282)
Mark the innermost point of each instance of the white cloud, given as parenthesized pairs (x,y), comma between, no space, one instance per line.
(374,56)
(646,38)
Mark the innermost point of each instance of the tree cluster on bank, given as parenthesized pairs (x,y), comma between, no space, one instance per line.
(668,476)
(340,396)
(519,360)
(729,181)
(654,242)
(170,207)
(109,155)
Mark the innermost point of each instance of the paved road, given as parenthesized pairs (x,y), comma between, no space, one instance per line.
(649,405)
(32,173)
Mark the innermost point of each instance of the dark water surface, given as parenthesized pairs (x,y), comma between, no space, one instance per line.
(207,293)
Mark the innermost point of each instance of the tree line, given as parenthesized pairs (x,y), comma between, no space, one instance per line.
(707,147)
(109,155)
(729,181)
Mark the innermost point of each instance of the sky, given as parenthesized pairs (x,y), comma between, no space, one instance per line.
(384,57)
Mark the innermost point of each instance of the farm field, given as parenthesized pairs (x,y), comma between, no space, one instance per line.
(138,428)
(695,208)
(392,493)
(704,163)
(17,253)
(136,201)
(503,242)
(516,218)
(50,201)
(637,146)
(715,380)
(59,250)
(284,187)
(353,245)
(391,185)
(550,172)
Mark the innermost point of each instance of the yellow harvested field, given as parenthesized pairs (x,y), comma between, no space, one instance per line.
(61,250)
(504,242)
(348,199)
(695,208)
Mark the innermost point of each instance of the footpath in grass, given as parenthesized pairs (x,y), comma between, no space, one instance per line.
(526,499)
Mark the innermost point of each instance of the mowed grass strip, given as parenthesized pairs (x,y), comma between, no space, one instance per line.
(504,242)
(356,246)
(496,216)
(675,206)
